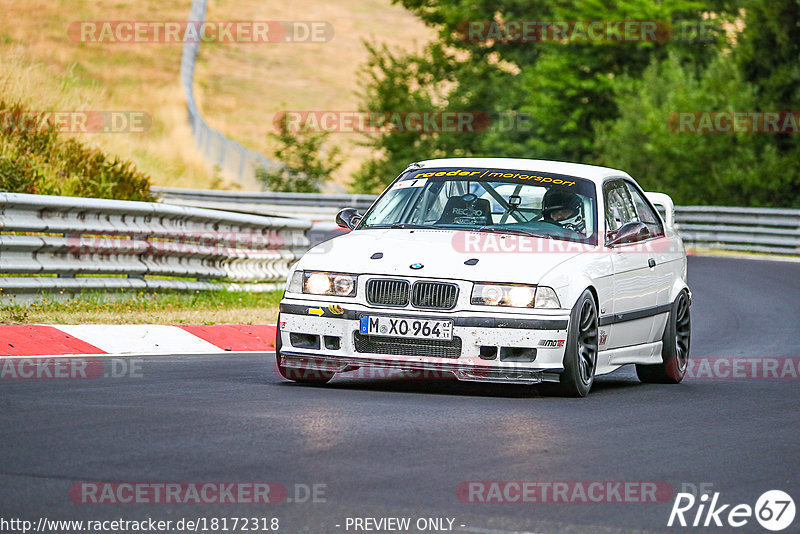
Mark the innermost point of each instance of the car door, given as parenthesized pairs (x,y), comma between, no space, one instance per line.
(630,322)
(667,255)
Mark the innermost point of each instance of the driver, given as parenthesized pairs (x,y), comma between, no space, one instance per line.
(558,206)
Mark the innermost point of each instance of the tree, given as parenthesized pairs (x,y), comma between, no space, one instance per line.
(304,166)
(769,58)
(561,89)
(769,51)
(694,168)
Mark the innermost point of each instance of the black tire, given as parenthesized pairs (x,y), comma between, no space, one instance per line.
(314,377)
(676,343)
(580,356)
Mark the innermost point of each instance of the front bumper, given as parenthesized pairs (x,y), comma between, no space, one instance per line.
(530,348)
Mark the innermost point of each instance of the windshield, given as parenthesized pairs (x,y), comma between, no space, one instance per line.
(489,200)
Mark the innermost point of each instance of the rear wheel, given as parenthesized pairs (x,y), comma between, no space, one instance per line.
(580,357)
(675,350)
(301,376)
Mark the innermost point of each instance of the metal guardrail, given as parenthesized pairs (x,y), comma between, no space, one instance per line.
(227,154)
(84,243)
(311,206)
(766,230)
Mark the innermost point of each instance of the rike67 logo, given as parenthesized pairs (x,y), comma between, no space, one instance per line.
(774,510)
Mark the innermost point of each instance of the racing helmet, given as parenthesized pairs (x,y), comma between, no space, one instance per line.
(556,200)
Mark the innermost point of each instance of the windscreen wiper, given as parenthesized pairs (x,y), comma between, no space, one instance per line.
(516,231)
(397,226)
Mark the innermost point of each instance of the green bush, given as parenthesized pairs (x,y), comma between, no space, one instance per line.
(18,176)
(40,161)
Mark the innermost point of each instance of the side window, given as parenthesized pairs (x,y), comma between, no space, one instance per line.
(645,212)
(620,209)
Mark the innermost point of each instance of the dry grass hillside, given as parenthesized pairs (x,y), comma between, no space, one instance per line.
(239,87)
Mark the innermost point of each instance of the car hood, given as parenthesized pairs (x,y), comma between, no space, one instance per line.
(442,253)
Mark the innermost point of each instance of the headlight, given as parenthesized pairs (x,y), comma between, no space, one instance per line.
(340,285)
(514,296)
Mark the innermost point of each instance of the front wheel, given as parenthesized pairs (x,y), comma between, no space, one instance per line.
(580,356)
(302,376)
(675,350)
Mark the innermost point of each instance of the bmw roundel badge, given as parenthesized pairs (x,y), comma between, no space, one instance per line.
(416,266)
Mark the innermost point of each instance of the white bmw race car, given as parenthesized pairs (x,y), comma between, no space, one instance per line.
(495,270)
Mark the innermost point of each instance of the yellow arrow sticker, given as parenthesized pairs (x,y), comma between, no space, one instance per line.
(315,311)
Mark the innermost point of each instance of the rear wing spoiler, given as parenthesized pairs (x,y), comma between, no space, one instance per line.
(663,203)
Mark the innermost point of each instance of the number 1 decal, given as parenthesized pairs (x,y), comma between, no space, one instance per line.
(416,182)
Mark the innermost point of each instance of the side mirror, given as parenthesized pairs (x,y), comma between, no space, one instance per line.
(348,218)
(628,233)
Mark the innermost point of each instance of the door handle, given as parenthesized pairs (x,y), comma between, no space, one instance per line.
(651,262)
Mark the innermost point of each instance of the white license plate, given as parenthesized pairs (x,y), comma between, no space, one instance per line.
(404,327)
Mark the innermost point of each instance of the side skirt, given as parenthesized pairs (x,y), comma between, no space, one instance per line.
(612,359)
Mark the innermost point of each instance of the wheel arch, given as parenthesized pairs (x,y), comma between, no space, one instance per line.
(570,294)
(595,296)
(678,286)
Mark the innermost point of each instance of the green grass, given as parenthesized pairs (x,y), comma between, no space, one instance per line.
(126,307)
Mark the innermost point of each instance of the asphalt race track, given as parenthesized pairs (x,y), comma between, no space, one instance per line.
(399,448)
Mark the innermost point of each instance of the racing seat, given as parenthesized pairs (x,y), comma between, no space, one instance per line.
(457,208)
